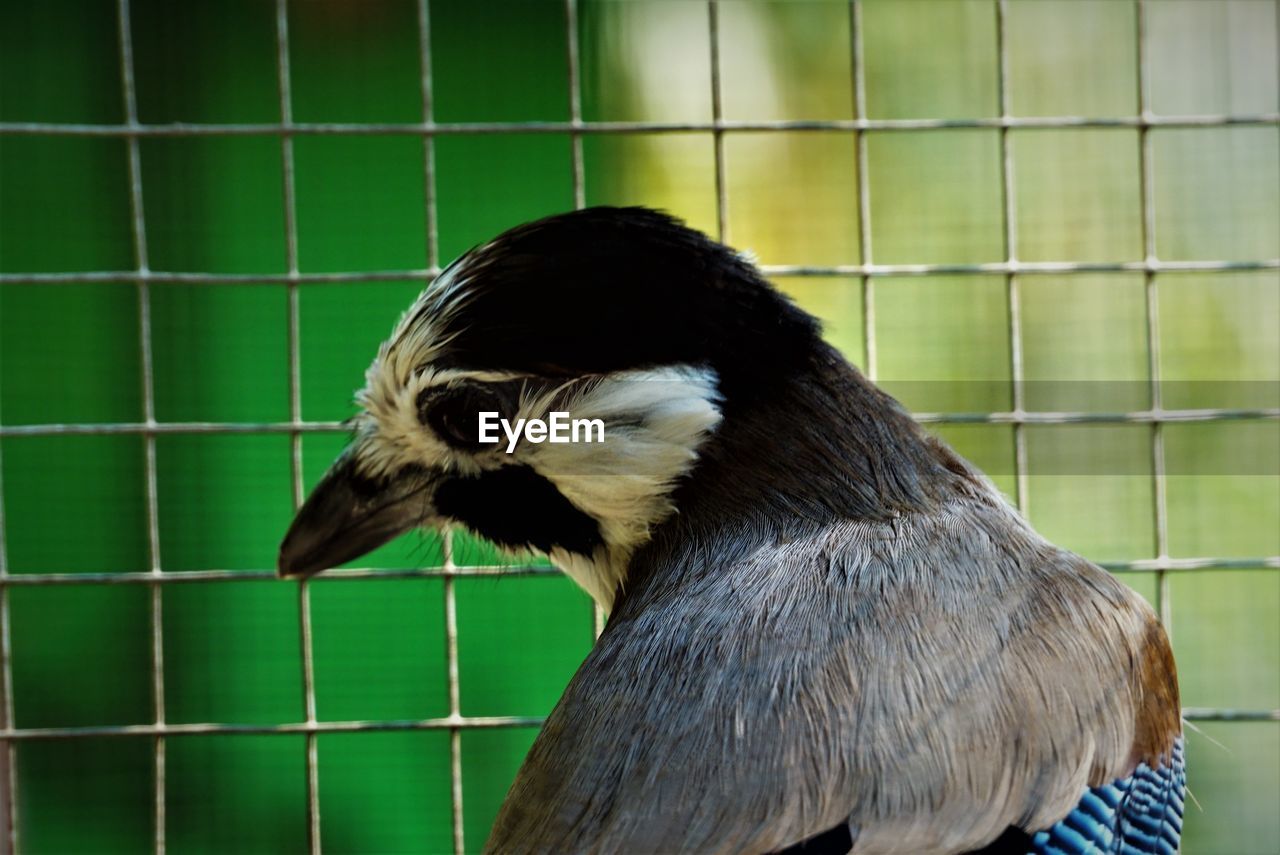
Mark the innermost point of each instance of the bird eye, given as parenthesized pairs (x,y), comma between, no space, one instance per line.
(454,413)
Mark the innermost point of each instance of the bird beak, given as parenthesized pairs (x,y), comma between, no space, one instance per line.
(348,515)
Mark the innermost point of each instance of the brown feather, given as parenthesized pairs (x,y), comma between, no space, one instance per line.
(1159,713)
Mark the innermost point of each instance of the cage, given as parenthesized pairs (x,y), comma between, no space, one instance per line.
(1050,227)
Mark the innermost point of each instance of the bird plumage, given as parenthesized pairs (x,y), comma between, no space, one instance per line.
(826,629)
(1135,815)
(841,676)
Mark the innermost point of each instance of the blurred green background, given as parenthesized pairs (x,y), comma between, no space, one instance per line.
(81,653)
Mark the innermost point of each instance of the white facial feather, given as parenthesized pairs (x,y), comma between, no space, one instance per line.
(654,419)
(392,436)
(389,431)
(418,336)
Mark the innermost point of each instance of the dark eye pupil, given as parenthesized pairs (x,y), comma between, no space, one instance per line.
(454,414)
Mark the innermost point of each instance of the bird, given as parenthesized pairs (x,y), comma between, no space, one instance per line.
(827,632)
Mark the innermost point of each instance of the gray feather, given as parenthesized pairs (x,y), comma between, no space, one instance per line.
(932,679)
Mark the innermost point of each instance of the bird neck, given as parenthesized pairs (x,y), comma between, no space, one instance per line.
(795,455)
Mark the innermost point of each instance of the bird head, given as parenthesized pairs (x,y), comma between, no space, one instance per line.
(712,406)
(621,316)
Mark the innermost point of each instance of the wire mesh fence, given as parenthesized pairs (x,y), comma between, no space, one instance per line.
(867,273)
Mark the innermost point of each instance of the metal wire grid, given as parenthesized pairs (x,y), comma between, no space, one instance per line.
(866,271)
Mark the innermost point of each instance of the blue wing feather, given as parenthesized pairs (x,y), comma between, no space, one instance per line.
(1137,815)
